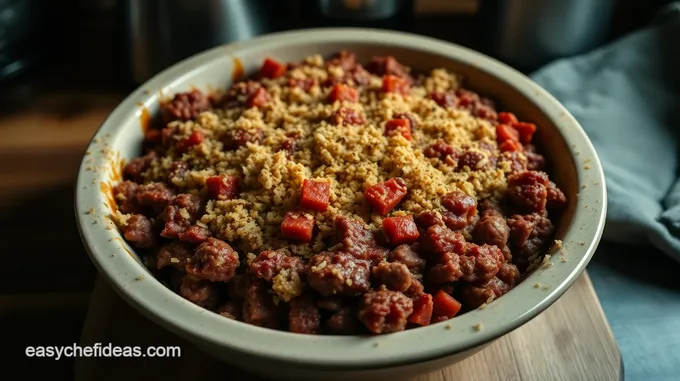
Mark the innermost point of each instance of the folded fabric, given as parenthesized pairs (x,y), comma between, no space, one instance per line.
(626,96)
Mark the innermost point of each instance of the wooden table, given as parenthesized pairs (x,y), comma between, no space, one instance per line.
(571,340)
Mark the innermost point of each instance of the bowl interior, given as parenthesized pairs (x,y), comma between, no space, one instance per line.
(559,137)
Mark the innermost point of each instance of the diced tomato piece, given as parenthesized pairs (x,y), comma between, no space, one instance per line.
(222,187)
(272,69)
(316,195)
(153,136)
(510,146)
(258,98)
(400,229)
(384,196)
(297,226)
(401,125)
(422,310)
(341,92)
(195,138)
(505,132)
(394,84)
(444,305)
(507,118)
(444,99)
(346,116)
(526,131)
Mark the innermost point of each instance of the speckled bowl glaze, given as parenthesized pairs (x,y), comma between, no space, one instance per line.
(278,354)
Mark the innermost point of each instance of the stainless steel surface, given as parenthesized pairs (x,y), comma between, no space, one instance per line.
(163,32)
(529,33)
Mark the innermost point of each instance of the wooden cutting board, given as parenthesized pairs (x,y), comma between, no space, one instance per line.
(571,340)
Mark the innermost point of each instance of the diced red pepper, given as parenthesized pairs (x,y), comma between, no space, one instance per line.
(400,229)
(401,125)
(510,146)
(526,131)
(444,306)
(195,138)
(297,226)
(341,92)
(507,118)
(422,310)
(394,84)
(222,187)
(505,132)
(258,98)
(315,195)
(384,196)
(272,69)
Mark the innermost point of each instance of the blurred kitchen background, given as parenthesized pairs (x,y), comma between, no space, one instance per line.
(64,65)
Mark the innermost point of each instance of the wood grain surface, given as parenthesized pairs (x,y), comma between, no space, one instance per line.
(571,340)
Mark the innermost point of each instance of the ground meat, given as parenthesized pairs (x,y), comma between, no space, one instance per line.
(199,292)
(235,139)
(332,303)
(481,263)
(441,150)
(395,276)
(343,322)
(462,210)
(344,59)
(439,240)
(174,254)
(154,195)
(238,94)
(508,273)
(304,317)
(340,273)
(388,66)
(182,211)
(474,160)
(185,106)
(359,241)
(269,263)
(474,296)
(385,311)
(259,307)
(428,218)
(533,225)
(416,289)
(194,234)
(555,197)
(139,231)
(178,170)
(535,161)
(236,288)
(136,167)
(528,190)
(406,255)
(213,260)
(232,310)
(492,229)
(125,194)
(447,270)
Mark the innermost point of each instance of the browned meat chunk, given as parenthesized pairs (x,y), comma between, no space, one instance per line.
(555,198)
(340,273)
(447,270)
(232,310)
(462,210)
(528,190)
(199,292)
(385,311)
(303,317)
(213,260)
(174,254)
(154,195)
(344,322)
(139,231)
(439,240)
(508,273)
(359,241)
(194,234)
(427,218)
(182,211)
(185,106)
(125,194)
(269,263)
(492,229)
(481,263)
(395,276)
(258,306)
(135,169)
(408,256)
(474,296)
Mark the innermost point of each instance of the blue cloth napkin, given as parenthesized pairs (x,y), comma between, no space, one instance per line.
(626,96)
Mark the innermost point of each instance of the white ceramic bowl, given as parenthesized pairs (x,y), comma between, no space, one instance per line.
(282,354)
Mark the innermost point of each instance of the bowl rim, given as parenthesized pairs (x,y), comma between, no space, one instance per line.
(520,305)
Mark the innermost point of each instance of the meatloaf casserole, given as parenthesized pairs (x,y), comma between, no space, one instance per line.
(327,197)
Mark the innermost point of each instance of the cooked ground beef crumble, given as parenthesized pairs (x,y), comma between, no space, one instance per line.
(327,197)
